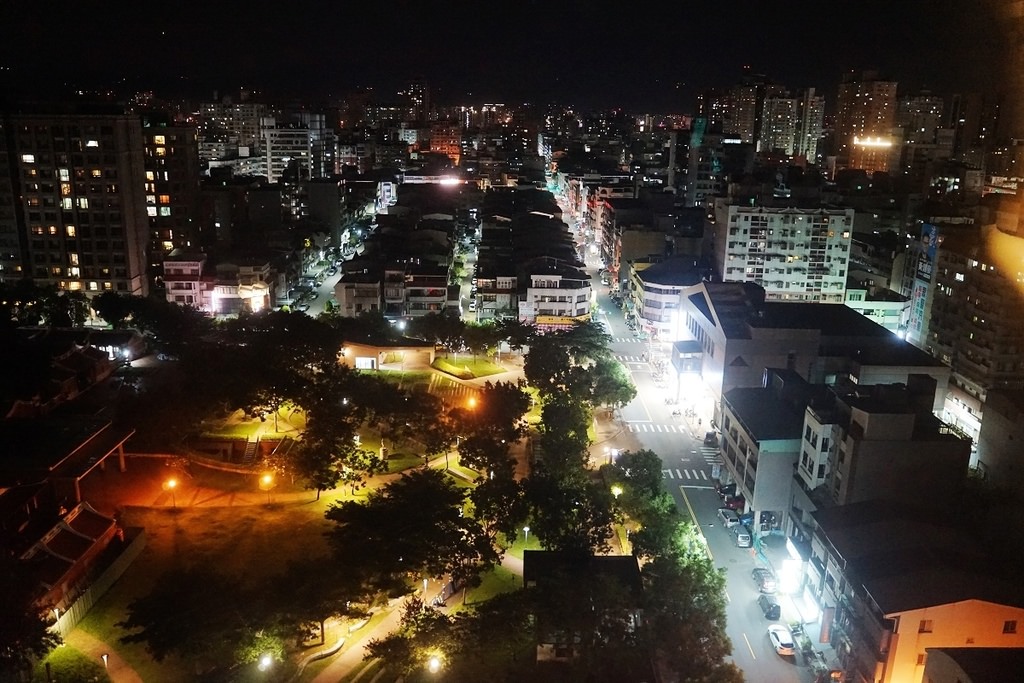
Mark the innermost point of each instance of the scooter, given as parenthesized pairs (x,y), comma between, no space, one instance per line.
(677,413)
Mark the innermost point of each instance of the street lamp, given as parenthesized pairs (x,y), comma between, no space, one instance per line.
(434,664)
(526,535)
(265,662)
(170,485)
(616,491)
(267,483)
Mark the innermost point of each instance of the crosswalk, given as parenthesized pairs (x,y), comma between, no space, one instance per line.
(639,427)
(625,358)
(685,474)
(626,340)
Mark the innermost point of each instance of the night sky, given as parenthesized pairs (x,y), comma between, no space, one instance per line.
(637,55)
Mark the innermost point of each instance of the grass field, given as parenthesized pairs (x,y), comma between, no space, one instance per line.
(69,665)
(248,543)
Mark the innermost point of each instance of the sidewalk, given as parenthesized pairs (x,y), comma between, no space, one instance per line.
(793,608)
(118,669)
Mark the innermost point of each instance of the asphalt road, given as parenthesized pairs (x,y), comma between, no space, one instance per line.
(689,468)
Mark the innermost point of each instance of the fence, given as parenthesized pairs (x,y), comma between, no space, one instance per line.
(96,590)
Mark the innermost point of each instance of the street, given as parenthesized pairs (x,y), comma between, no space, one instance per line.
(689,465)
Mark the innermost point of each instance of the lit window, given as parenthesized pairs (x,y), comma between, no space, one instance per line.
(94,286)
(70,230)
(158,140)
(92,143)
(73,258)
(28,158)
(151,199)
(64,174)
(53,230)
(37,230)
(150,210)
(74,286)
(165,199)
(107,286)
(161,151)
(165,211)
(83,203)
(55,270)
(97,173)
(74,272)
(65,189)
(150,175)
(67,204)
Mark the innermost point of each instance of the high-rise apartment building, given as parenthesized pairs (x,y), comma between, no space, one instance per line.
(865,116)
(78,186)
(171,161)
(11,239)
(242,122)
(779,125)
(307,145)
(811,125)
(794,254)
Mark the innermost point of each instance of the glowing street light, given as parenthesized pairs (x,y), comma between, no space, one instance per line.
(265,662)
(471,402)
(170,485)
(616,491)
(526,535)
(267,483)
(434,664)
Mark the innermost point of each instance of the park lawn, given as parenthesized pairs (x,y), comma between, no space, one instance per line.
(227,538)
(408,379)
(399,462)
(69,665)
(495,582)
(467,367)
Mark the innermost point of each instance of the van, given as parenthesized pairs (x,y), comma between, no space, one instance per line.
(728,517)
(742,536)
(769,607)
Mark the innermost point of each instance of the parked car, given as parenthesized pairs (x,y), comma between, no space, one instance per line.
(782,640)
(735,502)
(711,439)
(764,579)
(769,608)
(742,536)
(747,518)
(728,517)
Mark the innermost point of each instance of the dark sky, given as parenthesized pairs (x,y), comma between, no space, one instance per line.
(635,54)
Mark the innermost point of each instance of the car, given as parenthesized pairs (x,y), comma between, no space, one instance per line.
(769,608)
(735,502)
(302,308)
(782,640)
(728,517)
(764,579)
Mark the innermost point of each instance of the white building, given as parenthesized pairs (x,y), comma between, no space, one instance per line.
(556,296)
(795,254)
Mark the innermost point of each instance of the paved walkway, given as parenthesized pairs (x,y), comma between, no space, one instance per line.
(118,669)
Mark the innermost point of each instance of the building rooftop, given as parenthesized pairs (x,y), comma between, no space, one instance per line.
(910,557)
(675,272)
(764,416)
(985,664)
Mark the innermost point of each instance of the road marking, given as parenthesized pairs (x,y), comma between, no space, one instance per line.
(678,474)
(667,472)
(748,645)
(693,518)
(697,486)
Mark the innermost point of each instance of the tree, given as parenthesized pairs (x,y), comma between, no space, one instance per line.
(205,624)
(412,527)
(685,617)
(570,514)
(114,308)
(611,383)
(25,633)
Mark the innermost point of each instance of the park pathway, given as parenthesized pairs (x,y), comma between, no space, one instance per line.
(118,669)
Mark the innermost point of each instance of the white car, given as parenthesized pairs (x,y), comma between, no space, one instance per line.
(782,640)
(729,517)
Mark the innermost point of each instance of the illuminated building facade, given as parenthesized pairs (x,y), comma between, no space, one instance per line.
(80,201)
(795,254)
(171,162)
(865,116)
(894,583)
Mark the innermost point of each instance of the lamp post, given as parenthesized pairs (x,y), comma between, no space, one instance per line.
(616,491)
(267,483)
(170,485)
(526,535)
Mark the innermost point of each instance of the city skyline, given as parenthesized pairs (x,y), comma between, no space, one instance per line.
(653,58)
